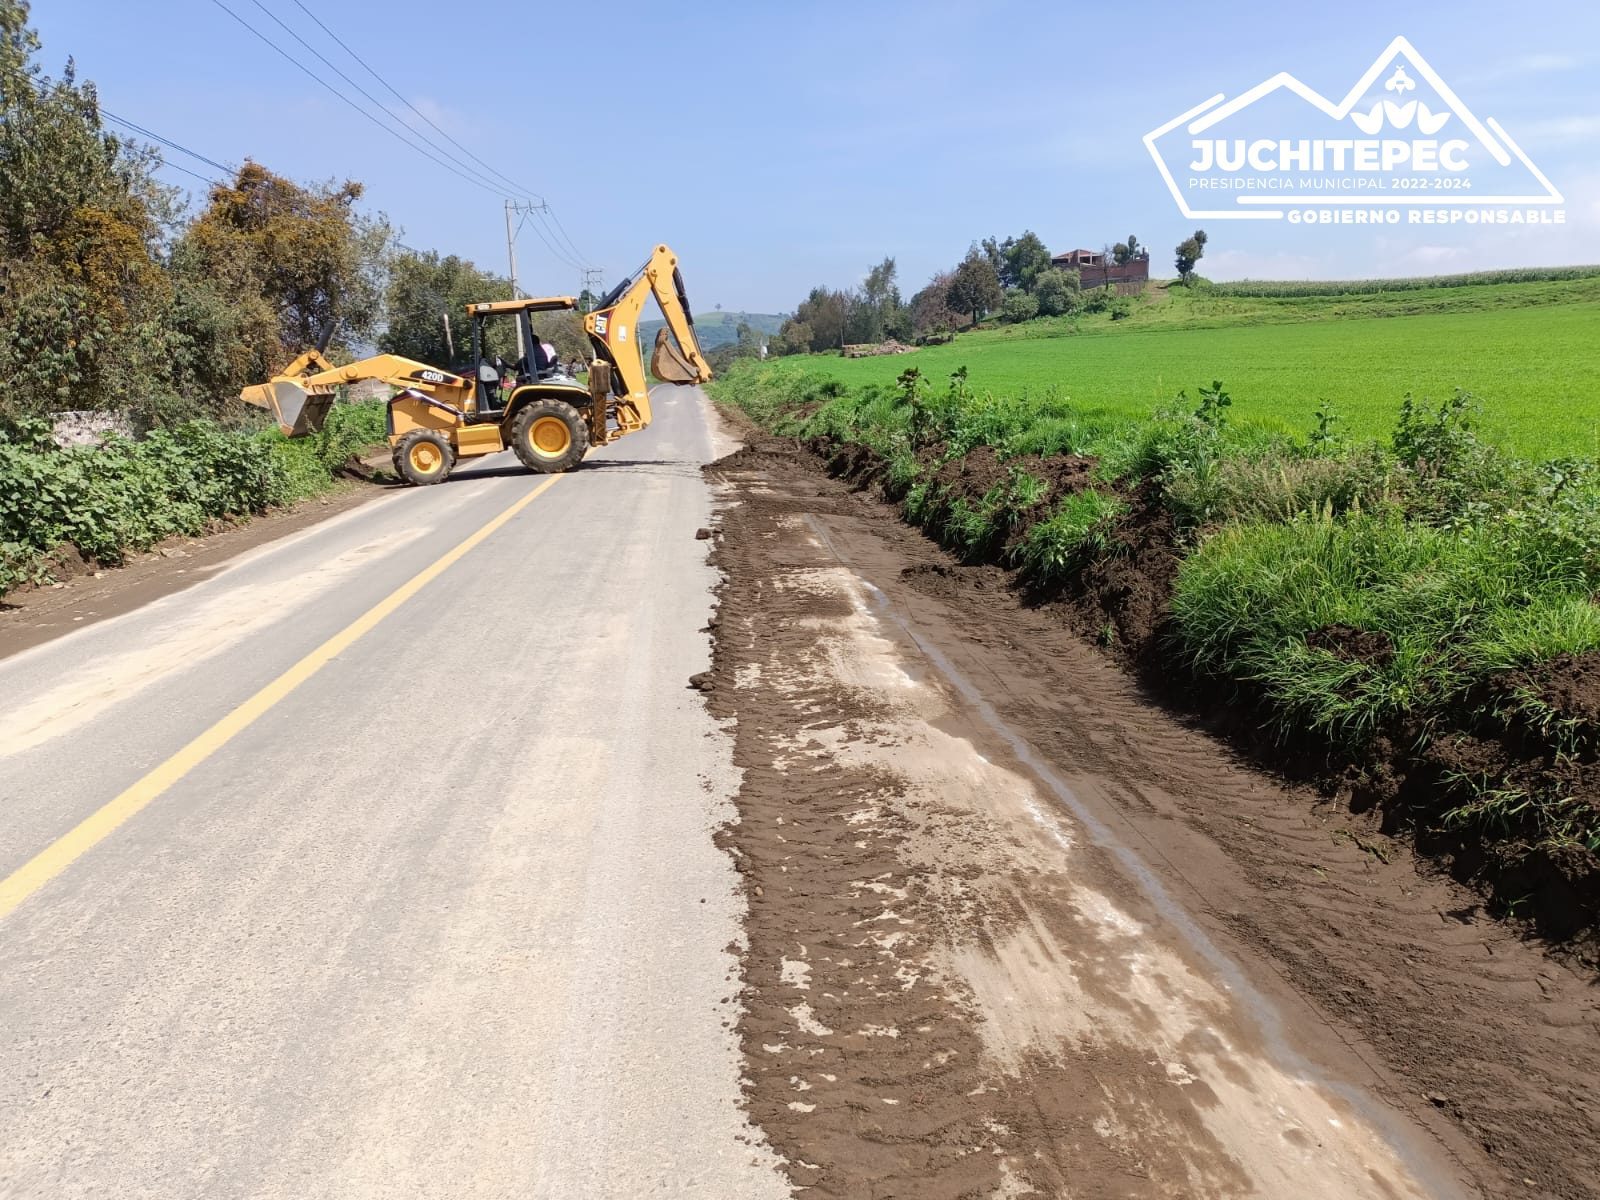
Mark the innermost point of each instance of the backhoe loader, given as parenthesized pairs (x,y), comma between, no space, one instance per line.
(549,418)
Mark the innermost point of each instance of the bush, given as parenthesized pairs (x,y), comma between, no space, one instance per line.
(128,495)
(1019,306)
(1057,292)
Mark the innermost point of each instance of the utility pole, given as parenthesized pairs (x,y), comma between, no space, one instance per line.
(511,256)
(522,208)
(592,281)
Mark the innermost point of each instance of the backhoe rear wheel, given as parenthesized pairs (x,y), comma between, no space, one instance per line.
(423,457)
(549,436)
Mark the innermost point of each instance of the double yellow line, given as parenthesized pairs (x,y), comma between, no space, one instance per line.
(95,828)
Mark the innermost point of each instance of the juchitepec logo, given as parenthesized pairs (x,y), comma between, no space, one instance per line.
(1400,148)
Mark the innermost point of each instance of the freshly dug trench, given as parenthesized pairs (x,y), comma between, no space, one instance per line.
(1470,1031)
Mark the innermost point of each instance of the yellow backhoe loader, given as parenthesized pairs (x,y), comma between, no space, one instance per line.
(535,407)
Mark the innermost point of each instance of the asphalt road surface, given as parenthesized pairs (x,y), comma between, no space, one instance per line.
(381,862)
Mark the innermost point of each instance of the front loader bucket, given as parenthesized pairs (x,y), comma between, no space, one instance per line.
(668,364)
(298,411)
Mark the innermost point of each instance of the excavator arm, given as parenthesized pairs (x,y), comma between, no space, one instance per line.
(300,395)
(613,331)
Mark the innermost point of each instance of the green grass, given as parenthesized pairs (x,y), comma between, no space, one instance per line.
(1528,351)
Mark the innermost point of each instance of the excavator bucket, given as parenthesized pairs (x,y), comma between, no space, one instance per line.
(298,411)
(668,363)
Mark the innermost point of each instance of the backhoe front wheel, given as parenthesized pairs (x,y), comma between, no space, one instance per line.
(423,457)
(549,436)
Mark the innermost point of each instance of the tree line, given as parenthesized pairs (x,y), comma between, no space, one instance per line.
(1013,279)
(115,294)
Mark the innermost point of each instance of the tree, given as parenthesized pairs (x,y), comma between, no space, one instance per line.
(1056,291)
(301,249)
(425,288)
(1190,251)
(794,337)
(975,287)
(929,310)
(82,230)
(1026,259)
(1017,260)
(824,313)
(876,307)
(1125,252)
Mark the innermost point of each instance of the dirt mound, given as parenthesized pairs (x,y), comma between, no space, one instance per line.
(1121,599)
(1570,684)
(875,349)
(978,472)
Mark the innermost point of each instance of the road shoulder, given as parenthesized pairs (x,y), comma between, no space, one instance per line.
(920,963)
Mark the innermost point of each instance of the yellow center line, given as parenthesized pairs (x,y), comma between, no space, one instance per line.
(95,828)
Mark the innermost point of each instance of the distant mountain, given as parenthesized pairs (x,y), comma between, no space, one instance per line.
(717,328)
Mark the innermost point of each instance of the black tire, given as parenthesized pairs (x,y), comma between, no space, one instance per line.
(424,457)
(536,436)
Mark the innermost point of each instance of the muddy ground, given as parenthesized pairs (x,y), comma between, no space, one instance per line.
(1015,930)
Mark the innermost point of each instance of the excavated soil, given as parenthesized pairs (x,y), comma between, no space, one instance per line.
(1410,775)
(957,987)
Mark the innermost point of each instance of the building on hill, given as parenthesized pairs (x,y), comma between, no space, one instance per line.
(1096,269)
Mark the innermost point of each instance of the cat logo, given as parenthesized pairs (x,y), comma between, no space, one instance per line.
(600,326)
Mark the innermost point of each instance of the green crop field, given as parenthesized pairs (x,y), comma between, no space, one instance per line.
(1530,352)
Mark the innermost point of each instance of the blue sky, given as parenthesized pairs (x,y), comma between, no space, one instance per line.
(777,146)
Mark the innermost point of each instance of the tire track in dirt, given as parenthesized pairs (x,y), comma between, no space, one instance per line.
(1448,1017)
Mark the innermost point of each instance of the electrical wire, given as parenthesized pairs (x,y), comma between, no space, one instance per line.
(44,87)
(457,162)
(471,178)
(370,70)
(546,217)
(168,142)
(560,255)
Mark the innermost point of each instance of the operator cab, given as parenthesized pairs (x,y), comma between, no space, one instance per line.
(489,370)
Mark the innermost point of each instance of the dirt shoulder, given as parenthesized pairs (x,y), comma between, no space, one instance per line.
(1029,934)
(85,594)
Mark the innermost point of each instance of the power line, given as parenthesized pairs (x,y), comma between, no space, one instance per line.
(546,215)
(470,178)
(44,87)
(560,255)
(513,184)
(551,216)
(457,163)
(168,142)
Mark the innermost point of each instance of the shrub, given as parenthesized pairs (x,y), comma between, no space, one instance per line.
(1077,532)
(1019,306)
(129,495)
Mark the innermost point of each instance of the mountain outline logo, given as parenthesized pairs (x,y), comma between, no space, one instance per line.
(1395,150)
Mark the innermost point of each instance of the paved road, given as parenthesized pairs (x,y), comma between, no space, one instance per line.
(445,919)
